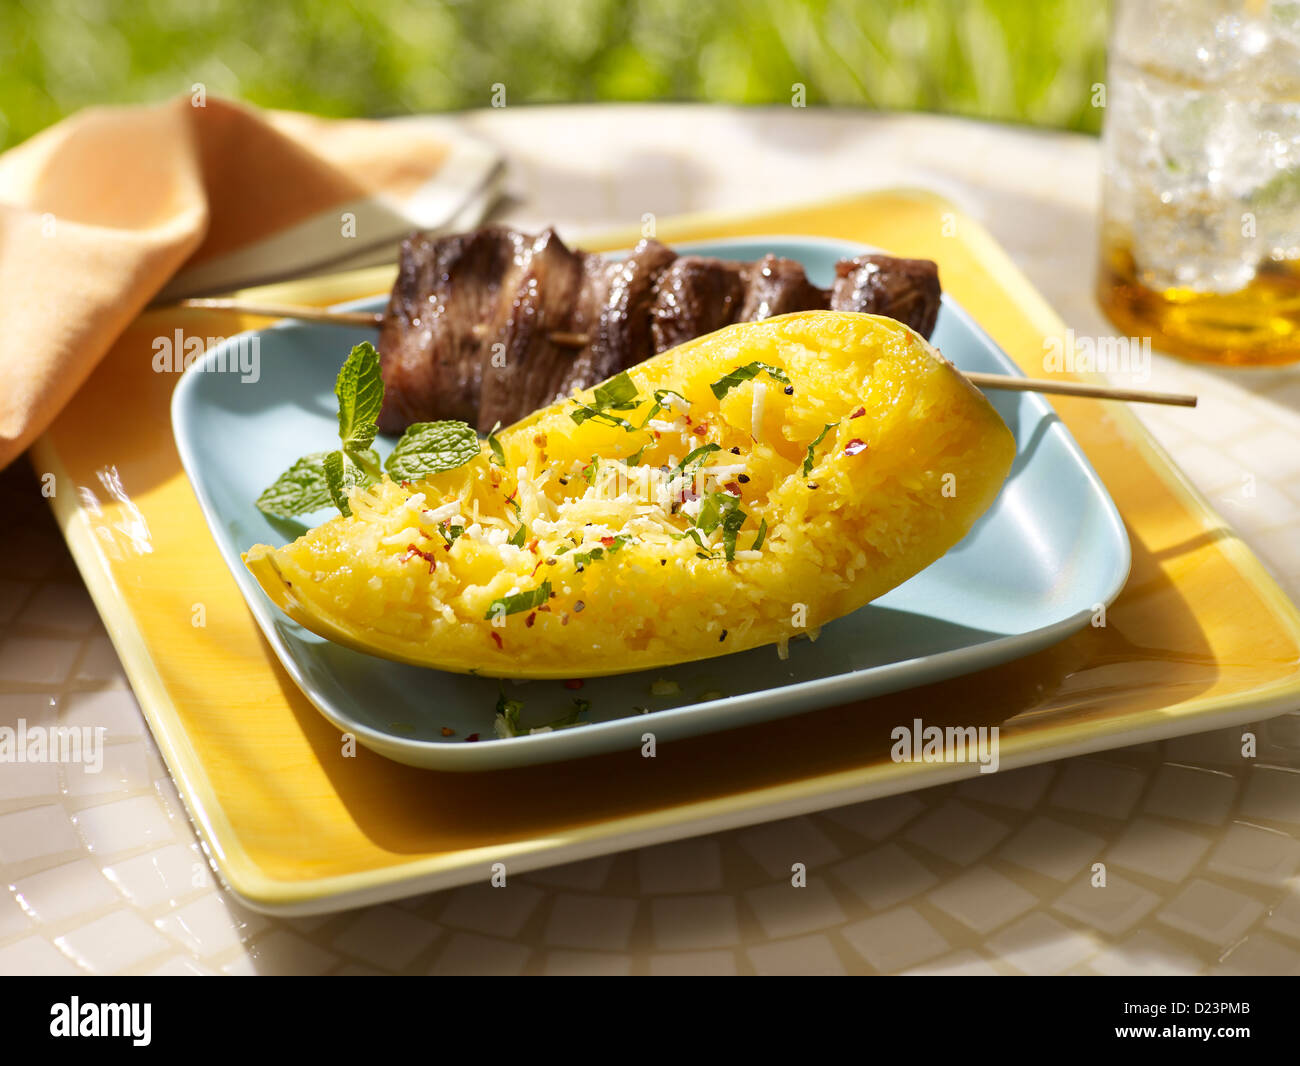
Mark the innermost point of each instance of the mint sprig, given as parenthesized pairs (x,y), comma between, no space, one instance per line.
(322,478)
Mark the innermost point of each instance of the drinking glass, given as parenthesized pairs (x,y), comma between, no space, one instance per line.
(1200,232)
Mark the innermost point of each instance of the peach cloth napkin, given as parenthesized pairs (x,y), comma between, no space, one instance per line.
(116,207)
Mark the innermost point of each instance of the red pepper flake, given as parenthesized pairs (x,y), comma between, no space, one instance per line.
(732,488)
(532,617)
(540,440)
(448,732)
(545,606)
(855,446)
(688,420)
(472,738)
(575,684)
(406,485)
(412,551)
(607,541)
(532,545)
(497,638)
(701,429)
(859,412)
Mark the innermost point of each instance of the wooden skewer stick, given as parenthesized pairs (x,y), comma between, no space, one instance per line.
(580,340)
(309,314)
(1079,388)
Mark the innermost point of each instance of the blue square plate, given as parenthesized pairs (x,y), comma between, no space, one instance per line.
(1034,569)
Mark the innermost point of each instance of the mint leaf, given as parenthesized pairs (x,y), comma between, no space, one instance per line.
(342,474)
(430,448)
(743,373)
(299,490)
(520,601)
(360,389)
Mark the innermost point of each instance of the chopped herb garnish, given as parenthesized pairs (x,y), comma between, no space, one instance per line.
(619,393)
(731,523)
(589,471)
(508,724)
(694,534)
(635,458)
(507,719)
(743,373)
(585,412)
(762,532)
(721,509)
(696,456)
(808,462)
(581,559)
(520,601)
(711,508)
(498,453)
(661,401)
(449,533)
(519,537)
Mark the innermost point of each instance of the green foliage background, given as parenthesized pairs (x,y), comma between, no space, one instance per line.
(1030,61)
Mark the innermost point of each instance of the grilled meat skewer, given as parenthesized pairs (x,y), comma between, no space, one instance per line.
(485,327)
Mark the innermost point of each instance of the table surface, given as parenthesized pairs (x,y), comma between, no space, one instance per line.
(103,873)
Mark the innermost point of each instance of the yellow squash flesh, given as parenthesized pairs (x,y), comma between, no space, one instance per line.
(914,456)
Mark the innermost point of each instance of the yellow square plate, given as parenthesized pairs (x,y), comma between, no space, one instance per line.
(299,821)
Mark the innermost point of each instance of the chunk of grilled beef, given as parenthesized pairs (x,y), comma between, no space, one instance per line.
(698,295)
(468,333)
(488,326)
(905,289)
(445,311)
